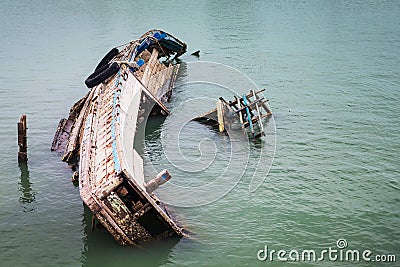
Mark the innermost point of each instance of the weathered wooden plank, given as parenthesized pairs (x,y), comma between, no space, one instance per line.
(220,114)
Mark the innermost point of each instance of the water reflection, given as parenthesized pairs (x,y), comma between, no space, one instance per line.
(25,186)
(100,249)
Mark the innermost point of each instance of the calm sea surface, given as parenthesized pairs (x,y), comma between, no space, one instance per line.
(332,73)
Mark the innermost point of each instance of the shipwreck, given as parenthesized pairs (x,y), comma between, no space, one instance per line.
(243,112)
(97,139)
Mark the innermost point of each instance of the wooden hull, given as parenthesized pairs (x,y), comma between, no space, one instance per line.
(111,177)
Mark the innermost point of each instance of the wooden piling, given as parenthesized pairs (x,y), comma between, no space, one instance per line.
(22,140)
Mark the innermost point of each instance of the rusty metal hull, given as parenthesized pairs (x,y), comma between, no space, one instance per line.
(100,144)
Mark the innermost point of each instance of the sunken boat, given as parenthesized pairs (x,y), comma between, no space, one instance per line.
(97,139)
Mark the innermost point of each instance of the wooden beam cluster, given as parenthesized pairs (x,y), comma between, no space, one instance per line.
(248,110)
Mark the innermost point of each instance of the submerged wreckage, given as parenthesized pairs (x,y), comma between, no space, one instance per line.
(98,137)
(241,113)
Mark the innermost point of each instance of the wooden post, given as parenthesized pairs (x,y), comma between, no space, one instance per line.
(22,140)
(220,114)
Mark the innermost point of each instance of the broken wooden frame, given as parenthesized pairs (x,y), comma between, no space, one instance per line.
(242,112)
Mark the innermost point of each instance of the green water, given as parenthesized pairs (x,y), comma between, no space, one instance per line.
(332,73)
